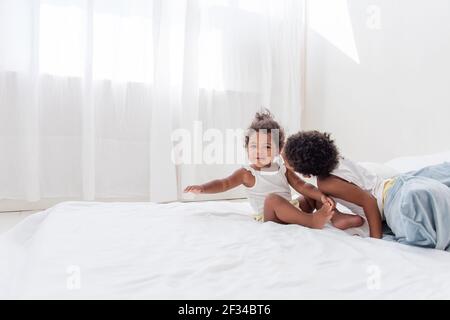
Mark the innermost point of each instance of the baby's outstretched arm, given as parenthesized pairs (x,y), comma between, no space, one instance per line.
(239,177)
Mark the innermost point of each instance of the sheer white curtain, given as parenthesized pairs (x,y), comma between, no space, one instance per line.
(91,90)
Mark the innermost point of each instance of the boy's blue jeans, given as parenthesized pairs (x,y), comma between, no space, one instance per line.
(417,207)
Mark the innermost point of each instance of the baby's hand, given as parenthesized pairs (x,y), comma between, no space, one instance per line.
(194,189)
(329,201)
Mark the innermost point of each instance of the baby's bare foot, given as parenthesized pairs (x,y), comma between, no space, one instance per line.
(346,221)
(322,216)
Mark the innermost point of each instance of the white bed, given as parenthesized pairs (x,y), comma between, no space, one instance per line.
(211,250)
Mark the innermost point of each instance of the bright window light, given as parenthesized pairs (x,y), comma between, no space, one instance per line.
(211,60)
(123,48)
(331,19)
(61,40)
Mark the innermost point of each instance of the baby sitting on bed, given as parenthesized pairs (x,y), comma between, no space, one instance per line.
(267,179)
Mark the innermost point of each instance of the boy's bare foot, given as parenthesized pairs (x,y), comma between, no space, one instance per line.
(346,221)
(322,216)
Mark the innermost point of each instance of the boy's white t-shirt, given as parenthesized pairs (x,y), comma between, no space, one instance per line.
(358,175)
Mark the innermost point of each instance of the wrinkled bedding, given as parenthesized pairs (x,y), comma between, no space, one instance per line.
(210,250)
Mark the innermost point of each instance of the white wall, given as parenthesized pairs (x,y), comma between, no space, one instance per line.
(396,101)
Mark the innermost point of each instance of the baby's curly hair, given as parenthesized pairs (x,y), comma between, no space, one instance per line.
(312,153)
(264,120)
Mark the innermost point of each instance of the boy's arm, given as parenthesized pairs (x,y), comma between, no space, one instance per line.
(221,185)
(306,189)
(349,192)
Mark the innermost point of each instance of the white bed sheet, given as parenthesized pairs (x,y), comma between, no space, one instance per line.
(412,163)
(211,250)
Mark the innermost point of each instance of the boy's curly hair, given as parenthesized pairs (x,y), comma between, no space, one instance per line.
(312,153)
(264,120)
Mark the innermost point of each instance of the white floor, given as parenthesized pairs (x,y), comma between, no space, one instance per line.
(10,219)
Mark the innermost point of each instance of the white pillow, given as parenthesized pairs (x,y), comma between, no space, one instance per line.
(382,170)
(406,164)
